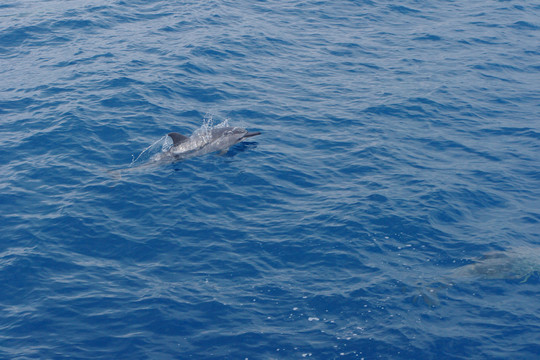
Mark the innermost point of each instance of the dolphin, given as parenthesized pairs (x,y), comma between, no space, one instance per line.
(203,141)
(200,143)
(518,264)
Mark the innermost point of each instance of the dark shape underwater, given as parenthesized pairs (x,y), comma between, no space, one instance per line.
(517,264)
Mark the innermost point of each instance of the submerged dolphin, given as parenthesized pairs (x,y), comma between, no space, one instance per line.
(200,143)
(517,264)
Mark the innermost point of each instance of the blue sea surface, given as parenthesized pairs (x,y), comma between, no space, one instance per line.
(390,209)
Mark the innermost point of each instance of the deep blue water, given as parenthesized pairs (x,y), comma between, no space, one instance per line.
(400,144)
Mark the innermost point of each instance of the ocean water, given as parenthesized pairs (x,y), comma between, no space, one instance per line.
(390,209)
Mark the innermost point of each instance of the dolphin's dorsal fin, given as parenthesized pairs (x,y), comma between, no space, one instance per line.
(177,138)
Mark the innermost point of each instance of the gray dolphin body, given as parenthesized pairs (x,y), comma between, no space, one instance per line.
(202,141)
(517,264)
(212,140)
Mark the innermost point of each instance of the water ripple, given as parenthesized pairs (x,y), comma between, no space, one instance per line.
(399,144)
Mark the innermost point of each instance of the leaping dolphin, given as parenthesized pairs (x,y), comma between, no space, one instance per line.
(212,140)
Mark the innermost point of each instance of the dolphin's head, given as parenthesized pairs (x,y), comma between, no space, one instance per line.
(235,132)
(227,136)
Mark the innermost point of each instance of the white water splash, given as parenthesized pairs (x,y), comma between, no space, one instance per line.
(208,124)
(163,143)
